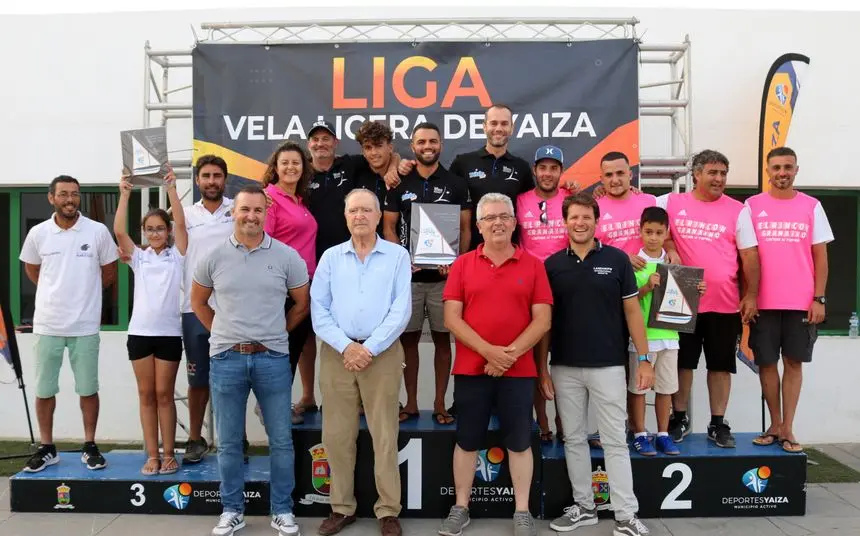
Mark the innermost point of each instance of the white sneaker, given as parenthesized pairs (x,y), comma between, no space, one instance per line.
(228,523)
(286,525)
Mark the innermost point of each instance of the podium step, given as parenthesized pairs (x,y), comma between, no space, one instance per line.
(703,481)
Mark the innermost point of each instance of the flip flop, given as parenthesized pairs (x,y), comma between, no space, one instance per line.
(407,416)
(152,472)
(306,408)
(792,446)
(765,440)
(170,470)
(442,418)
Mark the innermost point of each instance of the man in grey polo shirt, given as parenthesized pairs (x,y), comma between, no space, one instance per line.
(252,275)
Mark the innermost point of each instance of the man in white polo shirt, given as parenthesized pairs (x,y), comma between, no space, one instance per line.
(209,223)
(70,258)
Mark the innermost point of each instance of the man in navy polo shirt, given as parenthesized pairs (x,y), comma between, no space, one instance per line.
(498,306)
(428,182)
(596,306)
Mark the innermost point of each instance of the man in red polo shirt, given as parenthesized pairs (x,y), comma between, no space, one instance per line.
(494,364)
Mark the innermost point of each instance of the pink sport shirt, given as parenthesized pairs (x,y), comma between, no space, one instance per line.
(708,235)
(537,238)
(292,223)
(786,230)
(619,221)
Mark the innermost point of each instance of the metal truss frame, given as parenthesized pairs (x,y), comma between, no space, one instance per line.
(160,106)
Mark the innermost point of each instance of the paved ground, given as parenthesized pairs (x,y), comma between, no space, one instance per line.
(845,453)
(832,509)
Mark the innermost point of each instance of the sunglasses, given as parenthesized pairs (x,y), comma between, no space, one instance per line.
(544,219)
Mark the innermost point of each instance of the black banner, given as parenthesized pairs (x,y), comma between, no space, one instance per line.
(580,96)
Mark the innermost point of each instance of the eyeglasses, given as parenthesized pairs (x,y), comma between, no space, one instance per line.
(504,218)
(544,219)
(155,230)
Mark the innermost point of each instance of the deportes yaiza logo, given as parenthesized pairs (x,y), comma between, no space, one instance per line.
(178,495)
(489,464)
(756,479)
(781,91)
(64,498)
(320,476)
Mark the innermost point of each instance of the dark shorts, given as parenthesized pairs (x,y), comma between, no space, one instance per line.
(476,396)
(778,332)
(717,334)
(164,348)
(297,338)
(196,339)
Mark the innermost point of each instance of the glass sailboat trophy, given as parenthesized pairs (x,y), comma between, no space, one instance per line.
(675,302)
(674,307)
(434,234)
(144,155)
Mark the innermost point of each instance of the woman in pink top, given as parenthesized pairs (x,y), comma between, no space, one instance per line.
(289,221)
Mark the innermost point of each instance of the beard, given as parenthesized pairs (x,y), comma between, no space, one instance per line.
(427,160)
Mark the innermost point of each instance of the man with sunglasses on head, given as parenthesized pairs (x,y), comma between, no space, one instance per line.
(542,233)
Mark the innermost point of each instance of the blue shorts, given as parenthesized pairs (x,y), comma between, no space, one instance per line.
(196,340)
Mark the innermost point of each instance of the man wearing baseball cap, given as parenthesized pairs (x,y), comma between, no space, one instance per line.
(542,233)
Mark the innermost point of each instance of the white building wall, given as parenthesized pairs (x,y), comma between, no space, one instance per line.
(72,82)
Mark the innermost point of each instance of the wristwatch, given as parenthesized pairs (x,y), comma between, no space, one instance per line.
(644,357)
(820,299)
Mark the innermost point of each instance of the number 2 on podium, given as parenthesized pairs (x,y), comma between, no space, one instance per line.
(671,501)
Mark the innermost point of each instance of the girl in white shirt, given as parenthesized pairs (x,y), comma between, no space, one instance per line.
(155,329)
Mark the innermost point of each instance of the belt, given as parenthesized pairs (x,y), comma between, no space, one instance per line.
(249,348)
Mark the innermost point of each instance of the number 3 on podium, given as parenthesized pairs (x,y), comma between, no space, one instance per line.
(671,501)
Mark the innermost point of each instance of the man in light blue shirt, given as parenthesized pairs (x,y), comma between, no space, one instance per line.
(361,357)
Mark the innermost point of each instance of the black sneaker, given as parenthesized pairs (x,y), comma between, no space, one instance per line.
(195,450)
(679,429)
(45,456)
(92,457)
(721,435)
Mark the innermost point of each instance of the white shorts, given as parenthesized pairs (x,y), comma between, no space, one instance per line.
(665,373)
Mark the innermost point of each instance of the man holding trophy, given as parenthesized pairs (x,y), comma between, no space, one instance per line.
(433,234)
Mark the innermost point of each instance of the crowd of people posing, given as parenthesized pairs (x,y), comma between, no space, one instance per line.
(319,253)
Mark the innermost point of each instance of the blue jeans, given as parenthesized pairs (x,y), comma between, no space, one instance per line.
(232,376)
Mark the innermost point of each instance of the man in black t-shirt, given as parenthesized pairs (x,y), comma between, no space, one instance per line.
(490,169)
(427,182)
(375,139)
(596,308)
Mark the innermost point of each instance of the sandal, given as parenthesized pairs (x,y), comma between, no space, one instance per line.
(546,437)
(151,472)
(169,466)
(765,440)
(406,416)
(791,446)
(442,418)
(306,408)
